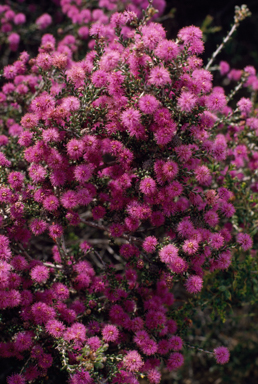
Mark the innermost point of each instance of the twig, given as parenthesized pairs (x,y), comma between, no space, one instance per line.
(199,349)
(103,228)
(240,15)
(225,40)
(25,252)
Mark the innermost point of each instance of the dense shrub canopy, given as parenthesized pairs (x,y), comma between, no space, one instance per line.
(123,177)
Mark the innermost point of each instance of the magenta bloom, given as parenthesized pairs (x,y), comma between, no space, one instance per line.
(159,76)
(110,333)
(224,68)
(23,341)
(175,361)
(176,343)
(69,199)
(245,241)
(149,347)
(154,376)
(148,186)
(178,265)
(190,34)
(194,284)
(15,179)
(55,231)
(94,343)
(55,328)
(51,203)
(168,253)
(148,104)
(167,50)
(149,244)
(216,240)
(16,379)
(190,246)
(44,21)
(80,377)
(38,226)
(132,361)
(75,149)
(131,118)
(222,355)
(202,174)
(40,274)
(245,105)
(186,101)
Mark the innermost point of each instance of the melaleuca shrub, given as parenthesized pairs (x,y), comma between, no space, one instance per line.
(124,142)
(24,25)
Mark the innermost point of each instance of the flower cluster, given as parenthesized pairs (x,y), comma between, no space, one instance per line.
(129,142)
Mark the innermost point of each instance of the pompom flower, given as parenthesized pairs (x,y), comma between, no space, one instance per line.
(132,361)
(40,274)
(194,284)
(175,361)
(222,355)
(110,333)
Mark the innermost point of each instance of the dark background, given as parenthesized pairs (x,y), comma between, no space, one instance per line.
(241,50)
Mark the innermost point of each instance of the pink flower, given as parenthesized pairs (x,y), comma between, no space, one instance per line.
(168,253)
(222,355)
(132,361)
(147,186)
(94,343)
(176,343)
(149,244)
(16,379)
(55,231)
(148,104)
(110,333)
(38,226)
(75,149)
(80,377)
(159,76)
(175,361)
(216,101)
(190,246)
(37,173)
(99,78)
(167,50)
(42,312)
(40,274)
(71,103)
(178,265)
(50,135)
(131,118)
(190,34)
(44,21)
(211,217)
(170,170)
(55,328)
(69,199)
(224,68)
(186,101)
(194,284)
(202,174)
(216,240)
(149,347)
(23,341)
(154,376)
(15,179)
(51,203)
(83,172)
(245,105)
(245,241)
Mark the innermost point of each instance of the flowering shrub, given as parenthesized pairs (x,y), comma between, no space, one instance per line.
(134,145)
